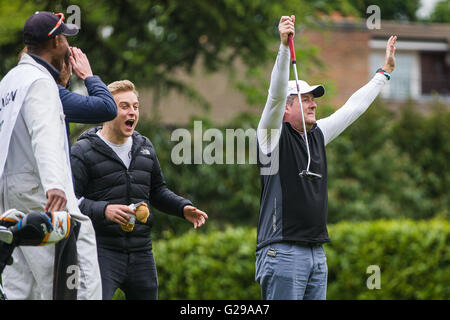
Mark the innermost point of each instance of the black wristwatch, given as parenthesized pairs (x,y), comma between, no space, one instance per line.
(386,74)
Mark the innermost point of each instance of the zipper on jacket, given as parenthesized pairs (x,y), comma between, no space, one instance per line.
(128,186)
(127,234)
(274,217)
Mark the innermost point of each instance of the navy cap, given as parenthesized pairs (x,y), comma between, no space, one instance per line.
(43,25)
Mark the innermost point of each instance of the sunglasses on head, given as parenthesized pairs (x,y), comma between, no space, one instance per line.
(61,18)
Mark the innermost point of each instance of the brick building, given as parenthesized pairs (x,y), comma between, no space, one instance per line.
(350,54)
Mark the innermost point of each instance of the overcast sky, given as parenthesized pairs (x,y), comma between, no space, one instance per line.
(426,8)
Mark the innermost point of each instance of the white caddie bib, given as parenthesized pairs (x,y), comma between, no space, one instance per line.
(13,91)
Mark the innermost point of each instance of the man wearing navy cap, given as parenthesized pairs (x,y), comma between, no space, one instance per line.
(99,106)
(45,34)
(35,171)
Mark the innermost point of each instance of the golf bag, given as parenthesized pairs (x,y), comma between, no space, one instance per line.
(32,229)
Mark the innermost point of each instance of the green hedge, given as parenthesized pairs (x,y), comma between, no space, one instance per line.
(207,265)
(413,257)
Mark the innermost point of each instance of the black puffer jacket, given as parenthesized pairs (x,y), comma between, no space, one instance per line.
(102,178)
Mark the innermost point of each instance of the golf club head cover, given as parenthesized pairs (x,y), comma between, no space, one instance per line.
(11,218)
(38,228)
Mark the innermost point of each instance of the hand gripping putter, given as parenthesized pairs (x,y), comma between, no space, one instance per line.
(304,173)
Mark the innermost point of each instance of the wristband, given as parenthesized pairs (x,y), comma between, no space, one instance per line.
(386,74)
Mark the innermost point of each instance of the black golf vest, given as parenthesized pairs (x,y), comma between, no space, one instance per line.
(292,208)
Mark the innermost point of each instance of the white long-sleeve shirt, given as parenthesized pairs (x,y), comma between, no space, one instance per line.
(269,127)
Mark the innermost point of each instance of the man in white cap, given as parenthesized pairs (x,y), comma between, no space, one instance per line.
(35,174)
(290,260)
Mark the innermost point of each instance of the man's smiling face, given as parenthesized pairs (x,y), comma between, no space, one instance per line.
(127,113)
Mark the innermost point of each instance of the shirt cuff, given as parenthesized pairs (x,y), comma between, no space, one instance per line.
(183,204)
(284,49)
(80,201)
(91,78)
(380,78)
(47,188)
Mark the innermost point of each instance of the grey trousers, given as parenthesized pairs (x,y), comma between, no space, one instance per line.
(288,271)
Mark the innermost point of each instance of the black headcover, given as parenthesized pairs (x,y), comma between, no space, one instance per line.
(32,229)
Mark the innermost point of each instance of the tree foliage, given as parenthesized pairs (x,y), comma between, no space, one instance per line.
(150,42)
(441,12)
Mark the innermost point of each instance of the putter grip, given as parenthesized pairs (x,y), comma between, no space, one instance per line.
(291,47)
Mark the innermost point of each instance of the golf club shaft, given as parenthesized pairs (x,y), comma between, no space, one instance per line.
(2,294)
(294,67)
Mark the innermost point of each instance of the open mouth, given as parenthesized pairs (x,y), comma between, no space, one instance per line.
(129,123)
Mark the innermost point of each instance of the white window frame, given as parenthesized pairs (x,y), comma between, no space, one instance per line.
(412,48)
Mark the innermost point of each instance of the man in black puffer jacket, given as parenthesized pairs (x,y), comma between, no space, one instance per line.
(113,167)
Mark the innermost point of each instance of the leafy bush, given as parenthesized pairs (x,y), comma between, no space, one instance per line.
(228,193)
(413,257)
(425,139)
(212,265)
(371,176)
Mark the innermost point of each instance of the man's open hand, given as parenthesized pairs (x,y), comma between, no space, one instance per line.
(80,63)
(389,63)
(194,215)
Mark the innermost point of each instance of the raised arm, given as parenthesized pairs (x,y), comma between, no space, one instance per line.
(99,106)
(360,101)
(273,112)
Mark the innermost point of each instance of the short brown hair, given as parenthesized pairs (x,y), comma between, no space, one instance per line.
(122,86)
(290,99)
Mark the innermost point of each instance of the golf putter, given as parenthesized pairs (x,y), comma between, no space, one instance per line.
(304,173)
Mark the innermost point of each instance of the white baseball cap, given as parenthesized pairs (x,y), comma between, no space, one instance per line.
(317,90)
